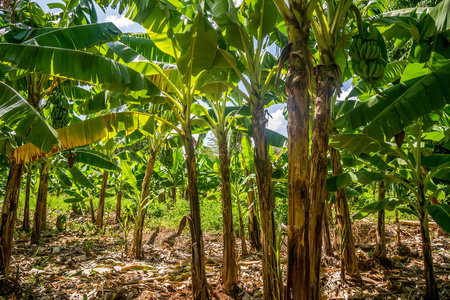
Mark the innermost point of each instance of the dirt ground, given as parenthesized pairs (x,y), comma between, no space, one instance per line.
(79,263)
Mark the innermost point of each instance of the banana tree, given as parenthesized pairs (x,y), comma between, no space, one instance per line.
(219,119)
(75,135)
(193,45)
(156,140)
(249,42)
(408,170)
(39,82)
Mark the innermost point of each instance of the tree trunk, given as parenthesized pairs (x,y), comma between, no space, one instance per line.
(398,237)
(44,208)
(229,269)
(430,278)
(344,222)
(91,203)
(263,168)
(298,102)
(8,217)
(101,200)
(26,210)
(41,199)
(380,248)
(200,287)
(328,248)
(325,85)
(118,207)
(174,195)
(254,231)
(162,197)
(242,229)
(136,245)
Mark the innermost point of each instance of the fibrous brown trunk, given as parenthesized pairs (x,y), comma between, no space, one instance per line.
(41,199)
(348,251)
(229,269)
(298,102)
(44,210)
(118,206)
(136,245)
(380,248)
(328,248)
(430,278)
(101,200)
(91,204)
(8,217)
(200,287)
(26,209)
(325,85)
(263,168)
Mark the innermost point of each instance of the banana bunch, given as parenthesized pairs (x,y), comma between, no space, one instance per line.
(365,52)
(60,110)
(167,157)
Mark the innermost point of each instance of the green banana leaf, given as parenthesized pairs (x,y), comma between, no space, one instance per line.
(344,179)
(63,178)
(95,159)
(75,37)
(441,215)
(80,178)
(28,124)
(76,65)
(388,204)
(406,102)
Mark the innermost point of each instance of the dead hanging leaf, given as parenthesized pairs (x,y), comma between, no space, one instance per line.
(183,223)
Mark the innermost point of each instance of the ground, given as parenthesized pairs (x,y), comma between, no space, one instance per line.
(80,263)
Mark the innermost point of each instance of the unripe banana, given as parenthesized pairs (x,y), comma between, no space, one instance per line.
(372,66)
(365,70)
(362,51)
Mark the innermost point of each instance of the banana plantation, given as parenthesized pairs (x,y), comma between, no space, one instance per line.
(145,165)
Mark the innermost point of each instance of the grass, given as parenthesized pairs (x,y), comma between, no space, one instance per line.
(158,214)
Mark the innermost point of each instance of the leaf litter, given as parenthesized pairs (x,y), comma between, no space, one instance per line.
(80,263)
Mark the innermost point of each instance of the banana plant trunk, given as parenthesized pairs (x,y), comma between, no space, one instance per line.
(325,85)
(244,250)
(40,202)
(328,248)
(254,230)
(263,168)
(229,269)
(200,287)
(298,102)
(91,204)
(26,209)
(348,251)
(136,245)
(380,248)
(101,200)
(8,217)
(118,207)
(430,278)
(174,195)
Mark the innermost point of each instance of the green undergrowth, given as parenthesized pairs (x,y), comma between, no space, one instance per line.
(159,215)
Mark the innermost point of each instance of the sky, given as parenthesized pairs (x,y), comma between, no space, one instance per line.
(276,122)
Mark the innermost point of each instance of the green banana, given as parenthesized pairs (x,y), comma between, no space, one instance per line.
(366,70)
(372,66)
